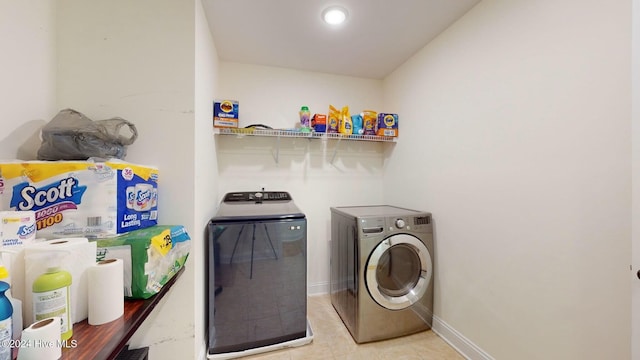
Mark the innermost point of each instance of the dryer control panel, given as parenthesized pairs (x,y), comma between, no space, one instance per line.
(398,224)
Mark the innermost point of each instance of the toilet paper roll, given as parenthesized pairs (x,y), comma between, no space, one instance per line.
(79,255)
(143,197)
(106,291)
(41,341)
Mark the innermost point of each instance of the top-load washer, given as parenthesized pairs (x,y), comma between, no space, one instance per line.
(256,275)
(382,270)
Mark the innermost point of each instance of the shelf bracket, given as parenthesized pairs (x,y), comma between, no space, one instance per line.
(276,155)
(335,150)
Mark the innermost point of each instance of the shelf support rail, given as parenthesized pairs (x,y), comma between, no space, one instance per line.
(276,155)
(335,150)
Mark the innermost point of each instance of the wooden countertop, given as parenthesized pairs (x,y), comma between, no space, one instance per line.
(107,340)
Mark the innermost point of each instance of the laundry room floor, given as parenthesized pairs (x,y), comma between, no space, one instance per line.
(332,340)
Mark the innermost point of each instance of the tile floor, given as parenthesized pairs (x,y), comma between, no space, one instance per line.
(333,341)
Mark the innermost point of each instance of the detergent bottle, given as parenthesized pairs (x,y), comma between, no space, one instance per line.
(52,294)
(16,304)
(346,124)
(5,322)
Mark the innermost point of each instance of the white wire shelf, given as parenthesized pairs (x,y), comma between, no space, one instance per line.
(298,134)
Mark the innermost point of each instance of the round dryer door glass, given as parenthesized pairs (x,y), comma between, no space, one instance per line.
(398,272)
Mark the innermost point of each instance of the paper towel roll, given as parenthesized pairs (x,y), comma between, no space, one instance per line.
(80,254)
(106,291)
(41,341)
(13,259)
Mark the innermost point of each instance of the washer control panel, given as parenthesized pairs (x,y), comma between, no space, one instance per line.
(259,196)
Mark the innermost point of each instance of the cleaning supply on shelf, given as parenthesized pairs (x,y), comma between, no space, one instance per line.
(346,125)
(225,113)
(369,121)
(319,123)
(6,310)
(305,119)
(333,120)
(387,125)
(16,304)
(75,255)
(357,124)
(52,294)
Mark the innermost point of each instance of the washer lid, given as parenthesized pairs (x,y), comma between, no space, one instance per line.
(261,205)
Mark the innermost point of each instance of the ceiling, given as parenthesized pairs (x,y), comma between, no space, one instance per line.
(378,36)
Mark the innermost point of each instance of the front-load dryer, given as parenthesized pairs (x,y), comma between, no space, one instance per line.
(382,270)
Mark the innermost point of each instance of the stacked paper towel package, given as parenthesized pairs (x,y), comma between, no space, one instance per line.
(78,238)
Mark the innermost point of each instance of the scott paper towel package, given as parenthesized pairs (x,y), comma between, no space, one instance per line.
(17,227)
(151,257)
(93,199)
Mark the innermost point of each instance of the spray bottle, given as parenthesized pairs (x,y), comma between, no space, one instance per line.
(52,294)
(16,304)
(5,323)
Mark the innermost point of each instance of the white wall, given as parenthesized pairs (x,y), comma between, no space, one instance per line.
(205,177)
(273,96)
(136,60)
(27,70)
(520,113)
(635,158)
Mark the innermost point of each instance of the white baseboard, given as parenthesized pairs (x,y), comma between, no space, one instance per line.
(318,288)
(463,345)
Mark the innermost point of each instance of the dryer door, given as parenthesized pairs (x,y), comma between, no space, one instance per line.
(398,271)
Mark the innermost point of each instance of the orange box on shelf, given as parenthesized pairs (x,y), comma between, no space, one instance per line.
(319,122)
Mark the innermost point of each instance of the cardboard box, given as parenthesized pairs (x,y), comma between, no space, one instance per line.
(151,257)
(81,198)
(225,113)
(319,122)
(387,125)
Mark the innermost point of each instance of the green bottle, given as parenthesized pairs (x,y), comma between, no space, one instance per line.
(52,297)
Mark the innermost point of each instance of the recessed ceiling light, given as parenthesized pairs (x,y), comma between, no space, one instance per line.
(334,15)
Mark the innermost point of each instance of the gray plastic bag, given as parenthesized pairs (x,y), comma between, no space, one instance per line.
(70,135)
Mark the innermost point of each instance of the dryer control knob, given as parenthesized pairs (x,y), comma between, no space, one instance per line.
(400,223)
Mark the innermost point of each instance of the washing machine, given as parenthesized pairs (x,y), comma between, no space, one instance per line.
(256,275)
(381,279)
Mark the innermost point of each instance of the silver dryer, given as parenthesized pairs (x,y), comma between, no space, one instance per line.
(382,270)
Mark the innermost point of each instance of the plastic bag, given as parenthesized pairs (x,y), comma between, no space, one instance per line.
(70,135)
